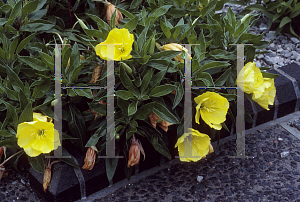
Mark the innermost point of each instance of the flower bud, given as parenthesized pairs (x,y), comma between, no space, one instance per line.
(109,11)
(47,178)
(134,152)
(90,158)
(175,47)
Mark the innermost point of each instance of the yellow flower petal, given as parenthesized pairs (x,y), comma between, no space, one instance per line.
(212,108)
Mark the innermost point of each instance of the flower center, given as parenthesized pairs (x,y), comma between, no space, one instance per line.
(121,49)
(41,132)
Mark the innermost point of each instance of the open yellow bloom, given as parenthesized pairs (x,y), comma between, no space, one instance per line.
(213,109)
(175,47)
(200,146)
(37,137)
(41,117)
(252,79)
(122,51)
(267,98)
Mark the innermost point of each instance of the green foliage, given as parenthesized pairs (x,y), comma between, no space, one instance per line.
(282,14)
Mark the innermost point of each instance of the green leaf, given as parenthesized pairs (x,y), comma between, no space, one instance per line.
(40,90)
(29,7)
(24,42)
(69,161)
(84,92)
(13,47)
(37,163)
(164,55)
(132,108)
(14,13)
(135,3)
(10,93)
(160,146)
(128,83)
(189,29)
(284,21)
(146,80)
(164,113)
(142,39)
(157,13)
(23,100)
(157,78)
(36,27)
(111,165)
(33,63)
(48,60)
(77,126)
(222,54)
(165,30)
(36,15)
(214,64)
(131,24)
(159,64)
(128,14)
(99,21)
(269,75)
(11,115)
(112,20)
(101,132)
(27,114)
(125,95)
(178,96)
(99,108)
(222,79)
(176,33)
(161,90)
(16,82)
(144,111)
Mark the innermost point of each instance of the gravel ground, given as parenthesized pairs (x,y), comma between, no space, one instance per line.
(270,176)
(267,177)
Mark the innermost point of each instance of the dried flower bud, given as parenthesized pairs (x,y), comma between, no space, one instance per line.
(110,10)
(90,158)
(96,74)
(1,151)
(134,152)
(47,178)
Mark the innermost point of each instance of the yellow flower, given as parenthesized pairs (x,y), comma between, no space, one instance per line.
(122,51)
(267,98)
(37,137)
(252,79)
(200,146)
(41,117)
(175,47)
(213,109)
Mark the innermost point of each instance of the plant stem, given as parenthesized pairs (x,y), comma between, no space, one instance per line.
(10,158)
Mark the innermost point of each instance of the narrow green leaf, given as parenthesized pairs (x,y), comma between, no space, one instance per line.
(165,30)
(24,42)
(37,163)
(164,113)
(27,114)
(161,90)
(16,81)
(178,96)
(144,111)
(146,80)
(131,24)
(135,3)
(34,63)
(128,83)
(128,14)
(125,95)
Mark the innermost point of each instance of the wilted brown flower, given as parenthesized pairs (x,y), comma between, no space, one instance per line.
(110,10)
(89,160)
(175,47)
(96,74)
(47,178)
(163,124)
(1,151)
(134,152)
